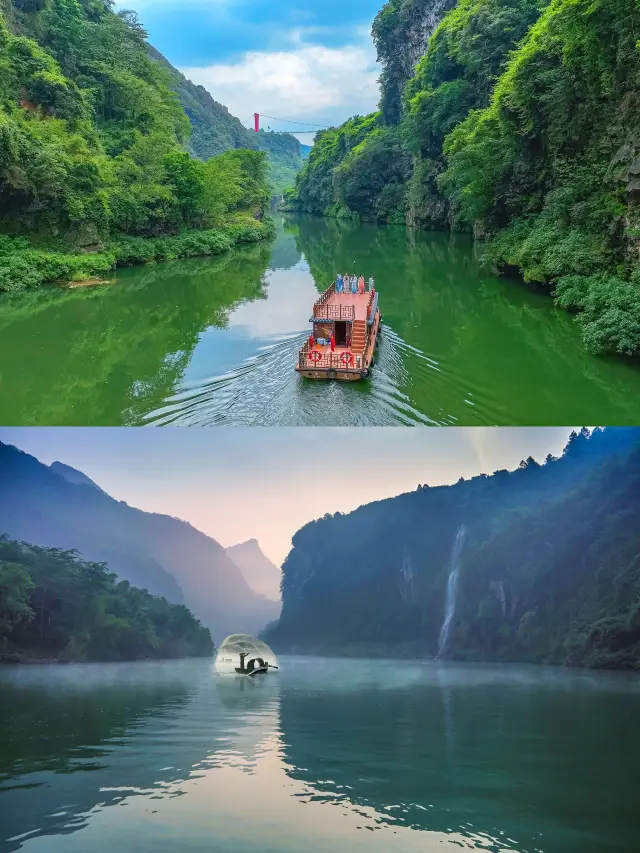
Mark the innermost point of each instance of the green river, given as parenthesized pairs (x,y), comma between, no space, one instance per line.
(324,756)
(214,342)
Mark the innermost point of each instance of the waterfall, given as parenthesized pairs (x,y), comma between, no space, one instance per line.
(503,598)
(452,583)
(407,574)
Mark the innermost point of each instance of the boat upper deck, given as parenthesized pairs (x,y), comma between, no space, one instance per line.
(343,306)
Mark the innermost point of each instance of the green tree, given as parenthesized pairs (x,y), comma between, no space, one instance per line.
(92,148)
(52,602)
(15,589)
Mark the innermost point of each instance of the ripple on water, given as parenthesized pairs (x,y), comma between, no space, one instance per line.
(265,390)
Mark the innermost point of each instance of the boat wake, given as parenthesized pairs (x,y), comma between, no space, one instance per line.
(264,390)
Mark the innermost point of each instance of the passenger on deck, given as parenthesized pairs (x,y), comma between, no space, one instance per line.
(361,284)
(339,283)
(372,283)
(354,285)
(332,343)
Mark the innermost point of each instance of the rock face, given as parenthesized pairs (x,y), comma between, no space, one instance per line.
(504,561)
(400,33)
(53,506)
(260,573)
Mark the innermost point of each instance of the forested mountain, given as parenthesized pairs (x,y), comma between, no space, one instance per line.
(53,603)
(93,151)
(538,564)
(519,120)
(163,555)
(214,130)
(71,475)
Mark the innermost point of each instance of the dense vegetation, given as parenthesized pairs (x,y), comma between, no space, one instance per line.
(55,604)
(520,122)
(549,570)
(92,152)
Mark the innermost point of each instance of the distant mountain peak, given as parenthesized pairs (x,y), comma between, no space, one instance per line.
(72,475)
(260,573)
(58,506)
(250,543)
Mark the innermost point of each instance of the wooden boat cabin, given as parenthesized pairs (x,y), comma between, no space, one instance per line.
(346,328)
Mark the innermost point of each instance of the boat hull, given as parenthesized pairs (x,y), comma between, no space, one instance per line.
(347,374)
(340,375)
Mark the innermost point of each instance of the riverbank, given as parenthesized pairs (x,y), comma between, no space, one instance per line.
(23,265)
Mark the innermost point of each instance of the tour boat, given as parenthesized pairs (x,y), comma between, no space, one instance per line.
(352,320)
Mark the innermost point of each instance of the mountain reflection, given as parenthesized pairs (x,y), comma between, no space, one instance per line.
(214,341)
(327,754)
(494,756)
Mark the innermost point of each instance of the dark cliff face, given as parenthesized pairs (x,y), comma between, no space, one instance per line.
(164,555)
(400,32)
(376,580)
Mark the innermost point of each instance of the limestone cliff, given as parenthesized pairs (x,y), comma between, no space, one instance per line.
(400,32)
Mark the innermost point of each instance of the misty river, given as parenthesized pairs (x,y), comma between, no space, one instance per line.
(326,755)
(215,342)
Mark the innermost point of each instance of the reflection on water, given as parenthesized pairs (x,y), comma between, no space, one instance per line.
(206,342)
(325,755)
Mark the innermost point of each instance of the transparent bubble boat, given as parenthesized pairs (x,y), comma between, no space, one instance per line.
(242,654)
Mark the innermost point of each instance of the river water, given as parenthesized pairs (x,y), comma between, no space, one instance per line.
(324,756)
(208,342)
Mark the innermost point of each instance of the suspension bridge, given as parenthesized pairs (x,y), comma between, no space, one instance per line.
(255,120)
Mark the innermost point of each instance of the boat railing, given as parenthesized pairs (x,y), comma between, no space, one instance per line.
(372,307)
(334,312)
(325,296)
(325,361)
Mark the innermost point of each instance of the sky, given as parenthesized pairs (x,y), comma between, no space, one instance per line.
(312,61)
(258,483)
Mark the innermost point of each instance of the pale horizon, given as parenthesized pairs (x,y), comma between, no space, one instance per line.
(238,484)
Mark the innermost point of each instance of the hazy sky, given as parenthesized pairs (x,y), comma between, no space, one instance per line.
(241,483)
(308,60)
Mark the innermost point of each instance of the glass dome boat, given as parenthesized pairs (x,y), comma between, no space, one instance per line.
(242,654)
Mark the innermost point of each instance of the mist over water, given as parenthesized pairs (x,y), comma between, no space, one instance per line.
(360,755)
(452,586)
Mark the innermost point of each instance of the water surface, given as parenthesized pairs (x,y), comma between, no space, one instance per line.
(207,342)
(326,755)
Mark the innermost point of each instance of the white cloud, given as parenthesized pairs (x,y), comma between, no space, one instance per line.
(310,81)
